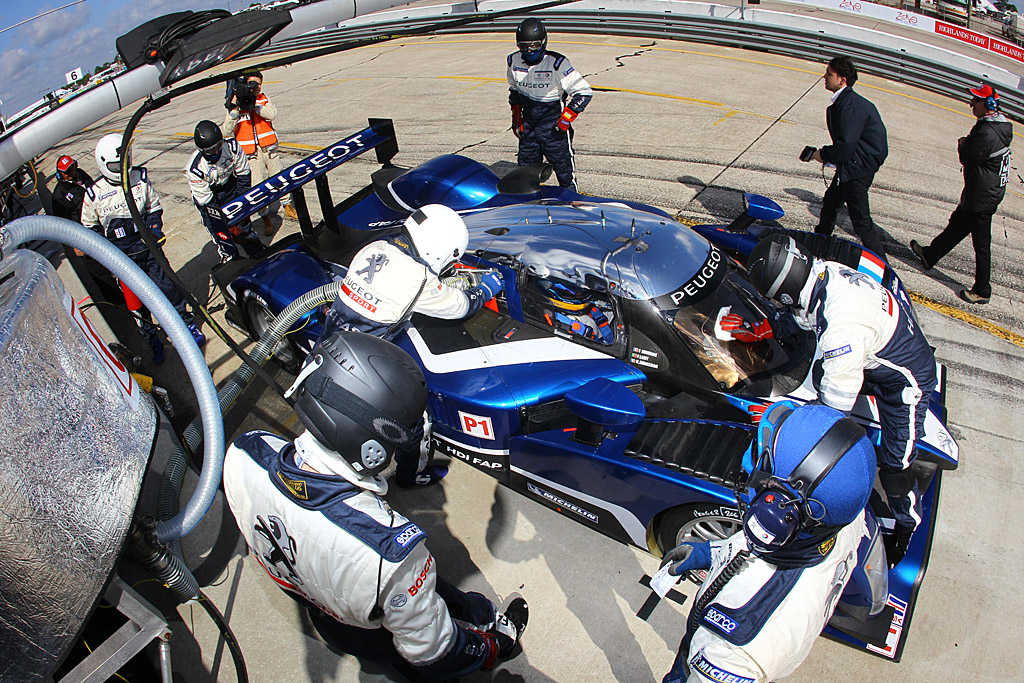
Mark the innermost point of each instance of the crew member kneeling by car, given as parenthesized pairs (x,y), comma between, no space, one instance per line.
(772,587)
(392,278)
(312,515)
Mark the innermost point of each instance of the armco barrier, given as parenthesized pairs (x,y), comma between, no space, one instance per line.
(889,55)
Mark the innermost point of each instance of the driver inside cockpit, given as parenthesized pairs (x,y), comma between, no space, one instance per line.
(571,308)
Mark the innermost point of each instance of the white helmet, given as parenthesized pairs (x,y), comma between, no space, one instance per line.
(108,157)
(439,235)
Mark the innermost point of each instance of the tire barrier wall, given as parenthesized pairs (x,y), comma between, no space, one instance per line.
(888,55)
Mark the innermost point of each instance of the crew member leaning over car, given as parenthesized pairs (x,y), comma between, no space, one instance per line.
(869,341)
(392,278)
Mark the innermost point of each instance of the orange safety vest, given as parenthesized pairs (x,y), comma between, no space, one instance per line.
(249,131)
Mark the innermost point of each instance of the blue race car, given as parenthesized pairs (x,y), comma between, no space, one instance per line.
(595,384)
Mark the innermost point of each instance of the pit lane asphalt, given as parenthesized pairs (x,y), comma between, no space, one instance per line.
(687,128)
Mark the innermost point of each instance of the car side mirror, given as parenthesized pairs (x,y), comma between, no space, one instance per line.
(601,405)
(755,208)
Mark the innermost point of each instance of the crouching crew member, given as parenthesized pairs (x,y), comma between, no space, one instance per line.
(390,279)
(773,586)
(546,95)
(312,515)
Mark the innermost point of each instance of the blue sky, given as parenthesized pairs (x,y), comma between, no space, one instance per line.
(35,56)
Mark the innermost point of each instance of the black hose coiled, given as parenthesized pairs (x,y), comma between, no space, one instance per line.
(161,562)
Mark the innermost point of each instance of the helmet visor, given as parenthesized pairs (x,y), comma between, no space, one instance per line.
(530,46)
(114,165)
(213,150)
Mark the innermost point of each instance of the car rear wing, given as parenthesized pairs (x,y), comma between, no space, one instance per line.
(380,135)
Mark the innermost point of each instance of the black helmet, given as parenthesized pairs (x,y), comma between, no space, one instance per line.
(779,268)
(532,39)
(208,138)
(361,397)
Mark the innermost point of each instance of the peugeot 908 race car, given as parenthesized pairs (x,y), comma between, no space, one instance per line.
(595,384)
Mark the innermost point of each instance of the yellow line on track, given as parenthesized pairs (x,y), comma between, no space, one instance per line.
(969,318)
(727,57)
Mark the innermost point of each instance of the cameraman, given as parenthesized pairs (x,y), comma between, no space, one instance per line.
(248,120)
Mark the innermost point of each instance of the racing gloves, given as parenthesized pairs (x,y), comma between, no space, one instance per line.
(686,557)
(735,327)
(517,120)
(567,117)
(492,284)
(155,221)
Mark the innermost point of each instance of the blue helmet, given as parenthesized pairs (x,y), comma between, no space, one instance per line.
(813,468)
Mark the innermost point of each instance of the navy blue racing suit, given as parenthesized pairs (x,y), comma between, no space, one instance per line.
(543,90)
(216,182)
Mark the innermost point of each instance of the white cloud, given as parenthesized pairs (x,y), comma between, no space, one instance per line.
(41,52)
(45,32)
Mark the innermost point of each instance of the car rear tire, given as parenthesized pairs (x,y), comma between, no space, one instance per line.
(697,523)
(260,319)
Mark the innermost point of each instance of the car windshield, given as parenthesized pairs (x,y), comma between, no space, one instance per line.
(730,362)
(611,250)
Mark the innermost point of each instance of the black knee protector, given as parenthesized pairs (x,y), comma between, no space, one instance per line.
(896,482)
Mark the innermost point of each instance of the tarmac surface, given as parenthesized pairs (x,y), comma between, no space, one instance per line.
(688,128)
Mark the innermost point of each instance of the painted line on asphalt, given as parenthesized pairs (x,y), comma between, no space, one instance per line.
(726,57)
(969,318)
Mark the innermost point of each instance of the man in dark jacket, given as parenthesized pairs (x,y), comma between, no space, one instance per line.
(859,146)
(70,189)
(985,155)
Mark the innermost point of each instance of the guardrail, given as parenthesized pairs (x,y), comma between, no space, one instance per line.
(877,52)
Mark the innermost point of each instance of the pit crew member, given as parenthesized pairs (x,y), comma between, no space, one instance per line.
(105,211)
(69,192)
(773,586)
(869,342)
(392,278)
(217,172)
(546,95)
(313,516)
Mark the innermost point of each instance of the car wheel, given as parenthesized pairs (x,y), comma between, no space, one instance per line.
(697,523)
(260,319)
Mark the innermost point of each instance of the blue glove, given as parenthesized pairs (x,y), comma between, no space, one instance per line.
(687,557)
(493,284)
(155,222)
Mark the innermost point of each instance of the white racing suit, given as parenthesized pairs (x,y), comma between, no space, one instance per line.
(543,90)
(324,539)
(385,285)
(764,621)
(869,338)
(214,183)
(105,211)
